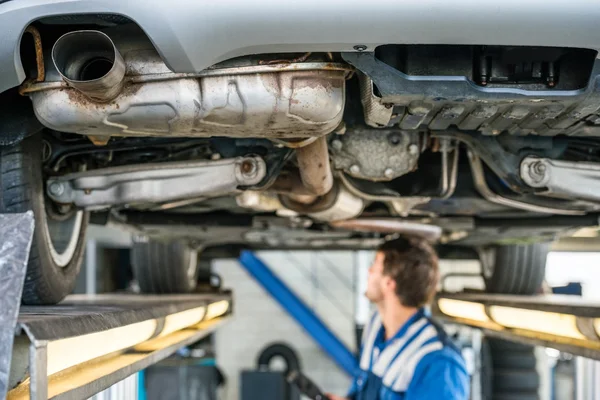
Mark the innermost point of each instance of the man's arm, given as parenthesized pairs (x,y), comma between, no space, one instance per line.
(440,379)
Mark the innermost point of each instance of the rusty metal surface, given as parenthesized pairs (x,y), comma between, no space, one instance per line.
(16,234)
(288,183)
(73,55)
(278,104)
(39,54)
(376,155)
(288,101)
(314,166)
(375,112)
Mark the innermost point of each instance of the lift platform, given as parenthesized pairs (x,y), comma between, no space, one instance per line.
(86,344)
(565,323)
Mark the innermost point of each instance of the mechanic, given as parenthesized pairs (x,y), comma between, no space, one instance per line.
(405,355)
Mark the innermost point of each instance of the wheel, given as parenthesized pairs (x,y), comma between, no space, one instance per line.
(282,350)
(512,373)
(514,269)
(59,238)
(165,267)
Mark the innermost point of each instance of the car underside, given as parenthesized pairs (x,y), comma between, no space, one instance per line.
(472,146)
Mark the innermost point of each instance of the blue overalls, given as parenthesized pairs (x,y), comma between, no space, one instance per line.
(417,363)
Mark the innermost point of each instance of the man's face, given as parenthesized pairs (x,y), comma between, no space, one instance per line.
(378,284)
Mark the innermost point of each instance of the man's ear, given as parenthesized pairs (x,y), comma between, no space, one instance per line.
(389,284)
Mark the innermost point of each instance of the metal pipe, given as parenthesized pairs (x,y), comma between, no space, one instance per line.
(290,185)
(486,192)
(429,232)
(89,62)
(449,173)
(39,53)
(315,170)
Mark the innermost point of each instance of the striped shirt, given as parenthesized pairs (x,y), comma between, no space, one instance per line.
(418,362)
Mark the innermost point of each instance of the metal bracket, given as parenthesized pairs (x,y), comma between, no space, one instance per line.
(156,183)
(568,179)
(16,235)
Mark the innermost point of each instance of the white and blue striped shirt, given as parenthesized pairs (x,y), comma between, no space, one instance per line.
(418,362)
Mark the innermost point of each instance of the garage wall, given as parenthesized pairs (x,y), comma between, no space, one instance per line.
(325,282)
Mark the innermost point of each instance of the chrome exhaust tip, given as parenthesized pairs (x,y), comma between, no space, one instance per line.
(89,62)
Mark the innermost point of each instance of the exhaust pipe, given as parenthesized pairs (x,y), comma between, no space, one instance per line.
(89,62)
(315,170)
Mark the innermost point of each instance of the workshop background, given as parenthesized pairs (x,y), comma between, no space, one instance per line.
(331,284)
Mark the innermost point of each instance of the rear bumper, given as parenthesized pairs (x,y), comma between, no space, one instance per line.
(194,34)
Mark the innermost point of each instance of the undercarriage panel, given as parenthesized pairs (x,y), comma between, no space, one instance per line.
(524,101)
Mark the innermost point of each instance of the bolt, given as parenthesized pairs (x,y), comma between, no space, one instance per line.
(413,149)
(355,169)
(337,145)
(56,188)
(248,168)
(389,173)
(394,139)
(539,168)
(360,47)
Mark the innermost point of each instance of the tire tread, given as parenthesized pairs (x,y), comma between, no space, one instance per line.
(161,267)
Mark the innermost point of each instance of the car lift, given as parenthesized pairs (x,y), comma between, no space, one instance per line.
(562,322)
(565,323)
(86,344)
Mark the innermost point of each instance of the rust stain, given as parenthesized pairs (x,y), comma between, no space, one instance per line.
(39,53)
(78,97)
(99,140)
(302,58)
(130,89)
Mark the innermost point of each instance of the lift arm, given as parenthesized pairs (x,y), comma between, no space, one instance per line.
(565,323)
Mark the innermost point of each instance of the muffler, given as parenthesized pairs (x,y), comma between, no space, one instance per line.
(141,96)
(89,62)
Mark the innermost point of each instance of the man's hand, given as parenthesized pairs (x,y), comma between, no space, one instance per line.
(334,397)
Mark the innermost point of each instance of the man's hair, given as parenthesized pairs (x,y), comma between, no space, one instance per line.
(413,264)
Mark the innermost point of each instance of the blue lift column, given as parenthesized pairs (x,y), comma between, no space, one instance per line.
(300,312)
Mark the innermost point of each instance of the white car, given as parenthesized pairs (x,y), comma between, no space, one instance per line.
(207,127)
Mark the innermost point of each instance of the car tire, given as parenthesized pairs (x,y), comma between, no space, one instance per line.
(282,350)
(512,373)
(165,267)
(514,269)
(59,240)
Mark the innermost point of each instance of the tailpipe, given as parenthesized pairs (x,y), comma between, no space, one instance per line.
(89,62)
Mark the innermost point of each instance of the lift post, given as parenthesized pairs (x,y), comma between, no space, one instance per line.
(300,312)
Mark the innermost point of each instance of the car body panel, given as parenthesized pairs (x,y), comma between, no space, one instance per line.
(191,35)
